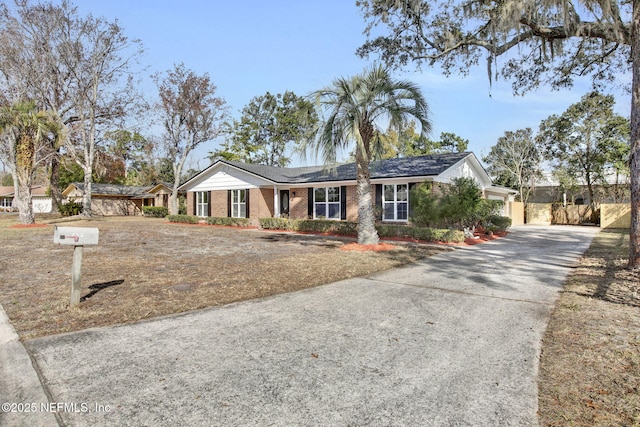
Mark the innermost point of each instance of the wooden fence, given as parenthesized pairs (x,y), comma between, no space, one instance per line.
(609,215)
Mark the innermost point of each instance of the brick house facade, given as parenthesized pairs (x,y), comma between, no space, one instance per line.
(235,189)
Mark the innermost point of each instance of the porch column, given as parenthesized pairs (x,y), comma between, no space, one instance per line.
(276,202)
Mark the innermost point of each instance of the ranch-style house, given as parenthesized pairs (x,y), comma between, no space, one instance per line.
(243,190)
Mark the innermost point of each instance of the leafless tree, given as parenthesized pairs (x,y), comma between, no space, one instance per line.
(191,114)
(77,67)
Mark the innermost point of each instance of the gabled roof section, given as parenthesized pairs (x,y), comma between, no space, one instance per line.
(7,190)
(111,189)
(404,167)
(36,191)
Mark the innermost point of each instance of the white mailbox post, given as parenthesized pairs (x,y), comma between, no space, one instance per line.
(78,237)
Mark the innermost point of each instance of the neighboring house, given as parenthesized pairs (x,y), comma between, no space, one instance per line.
(549,190)
(114,199)
(235,189)
(41,201)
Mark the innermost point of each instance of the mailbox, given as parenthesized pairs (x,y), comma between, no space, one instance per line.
(76,236)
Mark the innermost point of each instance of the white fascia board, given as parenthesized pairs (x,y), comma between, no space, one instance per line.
(223,176)
(402,180)
(469,167)
(398,180)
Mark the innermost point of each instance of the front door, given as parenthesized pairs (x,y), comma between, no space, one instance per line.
(284,203)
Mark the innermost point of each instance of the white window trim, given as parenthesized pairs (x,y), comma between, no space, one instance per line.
(202,203)
(395,203)
(326,203)
(236,210)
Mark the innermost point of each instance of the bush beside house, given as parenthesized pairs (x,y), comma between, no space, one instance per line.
(155,211)
(345,228)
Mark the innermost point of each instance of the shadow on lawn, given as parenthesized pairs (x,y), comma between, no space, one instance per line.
(97,287)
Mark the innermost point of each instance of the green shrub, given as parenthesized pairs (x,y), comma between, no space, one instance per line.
(155,211)
(345,228)
(497,223)
(277,224)
(420,233)
(233,222)
(184,219)
(70,209)
(461,204)
(425,206)
(327,226)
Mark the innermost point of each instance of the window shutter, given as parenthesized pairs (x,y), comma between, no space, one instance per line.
(209,204)
(379,201)
(246,200)
(310,203)
(229,203)
(412,186)
(195,203)
(343,202)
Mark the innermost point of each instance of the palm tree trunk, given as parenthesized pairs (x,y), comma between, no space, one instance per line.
(24,199)
(367,233)
(25,152)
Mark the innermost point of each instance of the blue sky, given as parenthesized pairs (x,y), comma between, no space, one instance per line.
(250,47)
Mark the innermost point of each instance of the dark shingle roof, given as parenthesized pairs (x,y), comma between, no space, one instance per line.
(115,189)
(430,165)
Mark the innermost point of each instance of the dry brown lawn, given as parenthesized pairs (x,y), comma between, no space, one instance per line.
(590,364)
(145,267)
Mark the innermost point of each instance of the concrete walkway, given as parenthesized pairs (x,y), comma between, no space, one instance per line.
(451,341)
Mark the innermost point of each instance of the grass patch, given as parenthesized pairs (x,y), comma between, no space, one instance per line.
(146,267)
(590,362)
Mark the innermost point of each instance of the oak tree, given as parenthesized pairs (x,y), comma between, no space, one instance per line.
(268,130)
(515,162)
(539,43)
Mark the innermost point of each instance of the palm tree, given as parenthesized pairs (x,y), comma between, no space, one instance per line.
(29,131)
(354,109)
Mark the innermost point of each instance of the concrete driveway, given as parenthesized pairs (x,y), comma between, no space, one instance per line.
(450,341)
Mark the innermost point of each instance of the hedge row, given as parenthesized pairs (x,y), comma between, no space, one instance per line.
(211,220)
(350,229)
(420,233)
(184,219)
(233,222)
(155,211)
(310,225)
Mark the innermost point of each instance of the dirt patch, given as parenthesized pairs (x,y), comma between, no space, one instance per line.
(146,267)
(356,247)
(35,225)
(590,363)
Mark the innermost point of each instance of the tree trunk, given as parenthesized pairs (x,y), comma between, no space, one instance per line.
(367,233)
(23,198)
(54,181)
(86,196)
(174,209)
(634,163)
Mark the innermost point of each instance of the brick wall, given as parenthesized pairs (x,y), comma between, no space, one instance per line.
(190,203)
(260,204)
(352,202)
(298,207)
(219,203)
(298,204)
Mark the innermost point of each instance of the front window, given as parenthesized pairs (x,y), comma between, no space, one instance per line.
(395,202)
(238,204)
(202,203)
(326,203)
